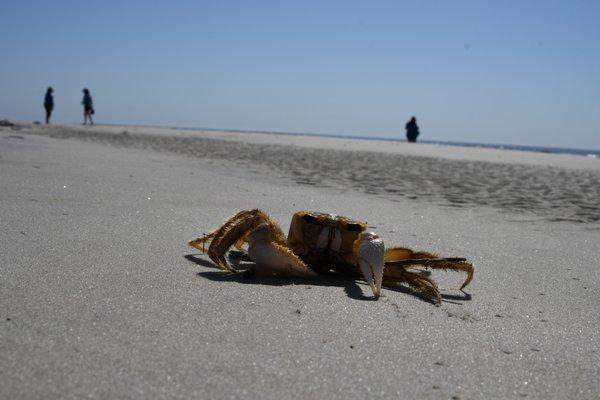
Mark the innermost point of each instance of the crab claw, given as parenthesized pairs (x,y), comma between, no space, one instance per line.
(370,260)
(272,257)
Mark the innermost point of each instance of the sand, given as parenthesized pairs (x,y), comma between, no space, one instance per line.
(101,297)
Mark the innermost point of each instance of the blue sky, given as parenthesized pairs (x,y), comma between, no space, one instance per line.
(517,72)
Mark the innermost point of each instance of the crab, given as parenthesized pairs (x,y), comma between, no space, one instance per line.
(319,243)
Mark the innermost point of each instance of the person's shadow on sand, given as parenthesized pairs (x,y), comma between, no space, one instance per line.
(351,288)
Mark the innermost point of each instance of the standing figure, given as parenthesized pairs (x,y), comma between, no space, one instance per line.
(412,130)
(49,104)
(88,106)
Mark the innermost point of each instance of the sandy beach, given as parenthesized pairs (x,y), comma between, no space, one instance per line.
(102,298)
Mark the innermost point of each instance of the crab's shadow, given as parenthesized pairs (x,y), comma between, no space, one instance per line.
(446,297)
(352,289)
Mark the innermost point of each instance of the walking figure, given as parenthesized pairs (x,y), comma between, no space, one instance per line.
(49,104)
(88,107)
(412,130)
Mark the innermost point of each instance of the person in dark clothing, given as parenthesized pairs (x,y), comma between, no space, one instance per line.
(49,104)
(412,130)
(88,107)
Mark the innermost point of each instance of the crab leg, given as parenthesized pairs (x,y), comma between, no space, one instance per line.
(417,280)
(401,257)
(228,234)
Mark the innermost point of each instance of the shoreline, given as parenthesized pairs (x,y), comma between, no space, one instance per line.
(453,151)
(594,153)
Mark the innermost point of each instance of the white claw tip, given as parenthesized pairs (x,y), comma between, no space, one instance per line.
(370,256)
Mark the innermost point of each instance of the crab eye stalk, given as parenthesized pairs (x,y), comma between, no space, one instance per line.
(370,260)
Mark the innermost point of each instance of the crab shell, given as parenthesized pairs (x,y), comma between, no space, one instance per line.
(326,241)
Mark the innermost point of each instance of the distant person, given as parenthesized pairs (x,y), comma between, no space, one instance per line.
(88,107)
(412,130)
(49,104)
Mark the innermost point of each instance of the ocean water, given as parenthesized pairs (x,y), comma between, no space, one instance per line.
(536,149)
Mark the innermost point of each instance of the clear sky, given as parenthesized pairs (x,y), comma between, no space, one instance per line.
(516,72)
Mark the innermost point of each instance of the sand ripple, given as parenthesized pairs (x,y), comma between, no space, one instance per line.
(552,193)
